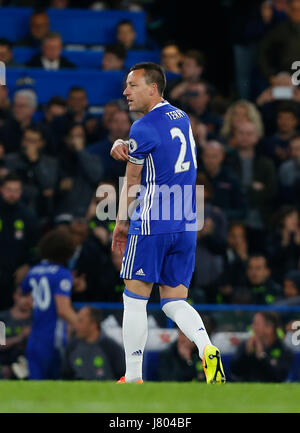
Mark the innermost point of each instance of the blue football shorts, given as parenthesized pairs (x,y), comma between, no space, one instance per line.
(167,258)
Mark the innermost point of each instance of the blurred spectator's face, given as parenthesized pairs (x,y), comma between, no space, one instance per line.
(52,48)
(291,221)
(22,109)
(295,149)
(77,101)
(5,53)
(190,70)
(294,11)
(286,122)
(39,26)
(32,139)
(55,110)
(236,236)
(212,158)
(246,135)
(257,270)
(119,125)
(198,97)
(239,115)
(126,35)
(111,62)
(259,325)
(170,57)
(79,232)
(109,111)
(76,134)
(11,192)
(290,289)
(24,303)
(84,324)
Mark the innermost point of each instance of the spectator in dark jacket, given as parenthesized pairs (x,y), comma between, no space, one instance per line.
(23,108)
(39,26)
(50,57)
(258,176)
(227,191)
(280,47)
(235,261)
(7,55)
(92,355)
(38,172)
(77,112)
(283,243)
(118,127)
(289,174)
(262,288)
(18,237)
(80,173)
(287,120)
(263,357)
(210,249)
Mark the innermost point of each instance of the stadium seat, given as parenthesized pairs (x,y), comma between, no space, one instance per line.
(76,26)
(101,86)
(90,58)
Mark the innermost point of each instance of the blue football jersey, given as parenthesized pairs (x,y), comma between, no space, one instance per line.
(44,281)
(163,141)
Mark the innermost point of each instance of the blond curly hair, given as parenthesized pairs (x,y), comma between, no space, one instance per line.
(253,114)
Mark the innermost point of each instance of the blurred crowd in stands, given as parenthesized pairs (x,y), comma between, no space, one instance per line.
(54,157)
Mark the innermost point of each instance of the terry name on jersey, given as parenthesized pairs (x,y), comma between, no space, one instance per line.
(176,114)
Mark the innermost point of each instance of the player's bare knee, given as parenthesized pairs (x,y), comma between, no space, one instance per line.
(173,292)
(138,287)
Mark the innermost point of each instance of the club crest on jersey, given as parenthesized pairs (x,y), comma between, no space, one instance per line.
(132,145)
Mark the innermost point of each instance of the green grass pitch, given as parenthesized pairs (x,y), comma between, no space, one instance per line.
(150,397)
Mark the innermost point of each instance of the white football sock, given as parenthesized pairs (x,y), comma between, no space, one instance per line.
(135,332)
(189,321)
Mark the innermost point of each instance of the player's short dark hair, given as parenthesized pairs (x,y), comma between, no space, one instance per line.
(57,246)
(154,73)
(117,49)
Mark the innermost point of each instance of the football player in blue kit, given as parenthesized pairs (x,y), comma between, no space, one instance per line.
(50,284)
(156,224)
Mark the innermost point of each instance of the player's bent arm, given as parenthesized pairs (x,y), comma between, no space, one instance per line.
(130,188)
(65,310)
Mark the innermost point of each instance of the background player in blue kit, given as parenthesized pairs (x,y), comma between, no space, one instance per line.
(50,284)
(159,243)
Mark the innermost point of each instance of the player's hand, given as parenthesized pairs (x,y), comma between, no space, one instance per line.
(119,239)
(119,150)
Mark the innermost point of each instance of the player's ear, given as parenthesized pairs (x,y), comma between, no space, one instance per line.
(153,89)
